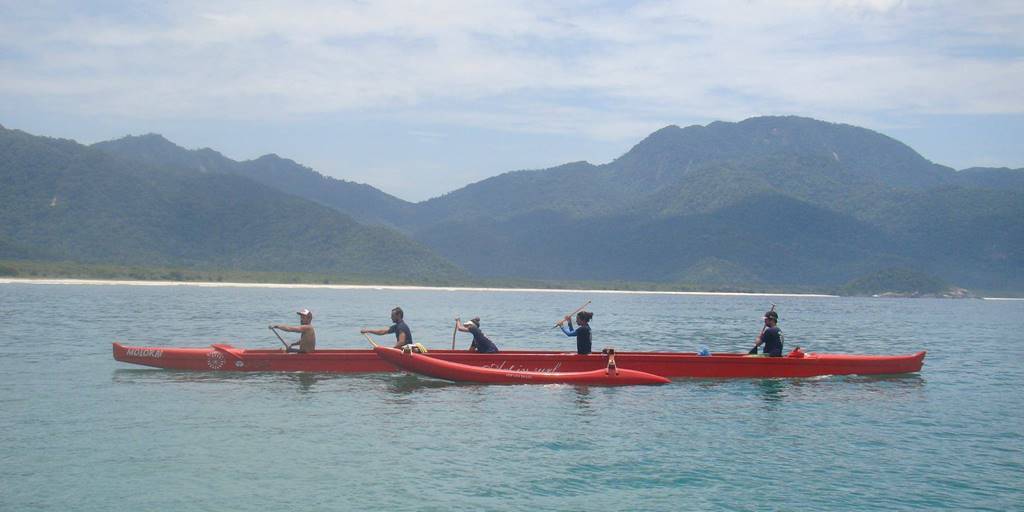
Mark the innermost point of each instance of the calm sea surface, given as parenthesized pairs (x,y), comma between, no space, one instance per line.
(79,431)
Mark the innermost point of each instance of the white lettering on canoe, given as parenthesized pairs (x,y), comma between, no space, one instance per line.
(513,368)
(154,353)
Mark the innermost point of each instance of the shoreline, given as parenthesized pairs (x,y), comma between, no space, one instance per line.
(200,284)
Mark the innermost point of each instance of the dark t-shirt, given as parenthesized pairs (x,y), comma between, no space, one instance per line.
(582,334)
(400,327)
(480,342)
(772,339)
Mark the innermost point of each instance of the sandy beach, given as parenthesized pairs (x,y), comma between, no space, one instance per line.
(100,282)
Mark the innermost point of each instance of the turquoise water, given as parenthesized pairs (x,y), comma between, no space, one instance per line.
(79,431)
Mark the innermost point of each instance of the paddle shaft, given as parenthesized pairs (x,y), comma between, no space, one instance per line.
(573,313)
(280,338)
(455,330)
(374,343)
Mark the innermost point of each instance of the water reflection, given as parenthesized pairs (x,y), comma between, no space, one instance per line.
(909,380)
(304,380)
(143,375)
(772,390)
(408,383)
(583,399)
(840,388)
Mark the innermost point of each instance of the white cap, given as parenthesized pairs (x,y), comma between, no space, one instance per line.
(304,312)
(469,323)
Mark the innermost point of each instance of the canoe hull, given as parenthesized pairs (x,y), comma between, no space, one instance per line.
(424,364)
(220,357)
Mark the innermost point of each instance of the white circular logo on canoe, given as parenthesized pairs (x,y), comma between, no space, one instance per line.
(215,359)
(239,364)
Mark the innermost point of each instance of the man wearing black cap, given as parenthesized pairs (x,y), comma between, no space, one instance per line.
(771,336)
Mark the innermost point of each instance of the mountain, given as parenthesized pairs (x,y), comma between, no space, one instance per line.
(65,201)
(701,168)
(768,201)
(779,200)
(731,246)
(362,202)
(992,178)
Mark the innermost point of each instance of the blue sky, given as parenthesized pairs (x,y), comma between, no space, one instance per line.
(421,98)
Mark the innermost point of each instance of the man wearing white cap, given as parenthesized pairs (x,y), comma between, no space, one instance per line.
(307,339)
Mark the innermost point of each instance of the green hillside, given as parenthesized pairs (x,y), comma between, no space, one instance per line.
(360,201)
(776,200)
(771,201)
(64,201)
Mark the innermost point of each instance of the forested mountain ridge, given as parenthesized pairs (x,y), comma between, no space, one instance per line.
(65,201)
(364,203)
(877,204)
(769,201)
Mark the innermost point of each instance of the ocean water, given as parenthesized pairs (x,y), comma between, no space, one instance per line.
(80,431)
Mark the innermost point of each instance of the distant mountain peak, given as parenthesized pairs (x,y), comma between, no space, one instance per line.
(274,157)
(281,164)
(146,138)
(669,129)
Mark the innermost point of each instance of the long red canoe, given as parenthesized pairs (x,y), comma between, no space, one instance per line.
(221,357)
(425,364)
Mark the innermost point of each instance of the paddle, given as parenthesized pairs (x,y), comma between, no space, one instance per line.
(455,330)
(374,343)
(560,322)
(279,337)
(753,351)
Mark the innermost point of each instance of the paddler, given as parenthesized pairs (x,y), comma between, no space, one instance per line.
(307,338)
(771,336)
(403,335)
(481,343)
(581,333)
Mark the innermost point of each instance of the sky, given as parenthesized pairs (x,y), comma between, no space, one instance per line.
(422,98)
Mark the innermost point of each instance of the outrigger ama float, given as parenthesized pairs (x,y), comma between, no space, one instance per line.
(222,357)
(424,364)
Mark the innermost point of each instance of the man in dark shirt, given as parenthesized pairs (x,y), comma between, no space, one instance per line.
(771,336)
(403,335)
(480,343)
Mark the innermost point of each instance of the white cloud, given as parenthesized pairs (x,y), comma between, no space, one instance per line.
(602,68)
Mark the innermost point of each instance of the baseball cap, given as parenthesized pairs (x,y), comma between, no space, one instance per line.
(304,312)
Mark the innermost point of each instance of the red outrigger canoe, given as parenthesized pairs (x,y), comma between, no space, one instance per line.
(221,357)
(424,364)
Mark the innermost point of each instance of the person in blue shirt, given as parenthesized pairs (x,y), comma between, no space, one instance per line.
(581,333)
(403,335)
(480,343)
(771,336)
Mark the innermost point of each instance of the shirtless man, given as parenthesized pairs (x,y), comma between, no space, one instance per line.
(307,339)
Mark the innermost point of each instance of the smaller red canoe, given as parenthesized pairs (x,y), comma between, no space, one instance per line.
(447,370)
